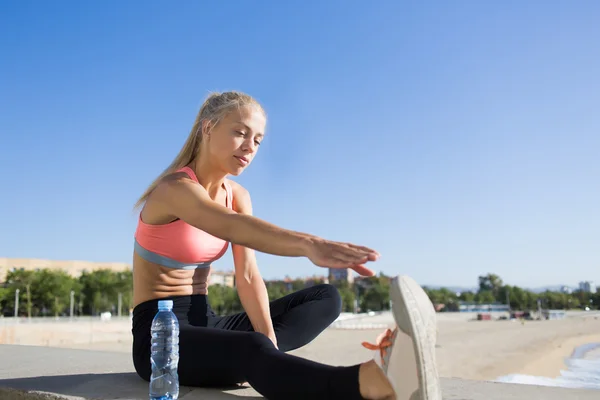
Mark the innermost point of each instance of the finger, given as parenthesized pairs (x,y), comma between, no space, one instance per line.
(340,260)
(365,249)
(336,264)
(362,270)
(350,257)
(358,256)
(359,249)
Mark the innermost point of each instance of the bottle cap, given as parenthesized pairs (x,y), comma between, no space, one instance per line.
(165,304)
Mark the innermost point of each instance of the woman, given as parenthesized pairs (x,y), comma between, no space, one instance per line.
(191,213)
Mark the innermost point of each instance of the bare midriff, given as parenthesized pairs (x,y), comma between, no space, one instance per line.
(153,281)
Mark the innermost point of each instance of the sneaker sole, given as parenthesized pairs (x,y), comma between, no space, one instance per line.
(411,308)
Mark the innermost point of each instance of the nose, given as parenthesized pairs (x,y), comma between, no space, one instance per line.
(249,145)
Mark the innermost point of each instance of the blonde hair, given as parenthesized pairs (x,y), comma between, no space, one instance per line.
(213,110)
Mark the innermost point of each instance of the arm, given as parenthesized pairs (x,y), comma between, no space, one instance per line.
(250,285)
(180,197)
(183,198)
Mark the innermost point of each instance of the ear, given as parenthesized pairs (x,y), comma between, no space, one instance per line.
(206,126)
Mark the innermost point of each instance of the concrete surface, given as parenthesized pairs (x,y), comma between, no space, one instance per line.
(84,374)
(14,394)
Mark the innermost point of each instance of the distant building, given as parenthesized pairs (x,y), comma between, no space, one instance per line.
(72,267)
(587,286)
(307,281)
(341,274)
(221,278)
(464,306)
(554,314)
(566,290)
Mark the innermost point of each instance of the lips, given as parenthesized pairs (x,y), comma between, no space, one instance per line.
(242,160)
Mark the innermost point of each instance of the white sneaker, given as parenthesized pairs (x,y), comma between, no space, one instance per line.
(407,353)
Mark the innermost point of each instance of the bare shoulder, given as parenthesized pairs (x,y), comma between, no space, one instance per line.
(237,188)
(174,182)
(176,186)
(241,197)
(175,178)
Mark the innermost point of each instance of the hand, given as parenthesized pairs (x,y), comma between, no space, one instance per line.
(329,254)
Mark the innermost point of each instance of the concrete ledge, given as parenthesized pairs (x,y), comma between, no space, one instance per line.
(14,394)
(84,374)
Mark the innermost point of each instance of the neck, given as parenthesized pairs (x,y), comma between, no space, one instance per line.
(209,176)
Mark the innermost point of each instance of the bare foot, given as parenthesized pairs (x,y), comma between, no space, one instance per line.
(373,383)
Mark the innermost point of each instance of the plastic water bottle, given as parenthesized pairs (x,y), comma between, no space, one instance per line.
(164,356)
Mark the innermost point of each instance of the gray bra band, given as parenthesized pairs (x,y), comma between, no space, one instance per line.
(165,261)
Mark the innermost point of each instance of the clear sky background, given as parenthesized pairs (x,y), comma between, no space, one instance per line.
(456,138)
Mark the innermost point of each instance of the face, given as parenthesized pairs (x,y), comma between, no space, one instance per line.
(234,141)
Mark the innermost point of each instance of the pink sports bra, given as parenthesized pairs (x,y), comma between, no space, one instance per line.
(178,244)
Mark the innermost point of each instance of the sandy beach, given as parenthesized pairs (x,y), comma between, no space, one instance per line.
(486,350)
(479,350)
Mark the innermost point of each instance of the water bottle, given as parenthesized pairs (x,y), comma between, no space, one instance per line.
(164,356)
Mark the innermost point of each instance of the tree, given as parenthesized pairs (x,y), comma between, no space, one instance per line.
(21,280)
(124,286)
(490,282)
(52,289)
(517,296)
(297,284)
(443,296)
(485,297)
(99,290)
(276,289)
(584,298)
(224,299)
(467,296)
(596,299)
(376,298)
(348,297)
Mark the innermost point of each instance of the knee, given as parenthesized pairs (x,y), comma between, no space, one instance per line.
(255,345)
(258,341)
(331,295)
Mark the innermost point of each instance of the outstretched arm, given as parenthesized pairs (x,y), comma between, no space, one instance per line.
(183,198)
(180,197)
(250,285)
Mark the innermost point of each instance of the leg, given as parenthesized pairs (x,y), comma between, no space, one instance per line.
(407,353)
(298,317)
(216,357)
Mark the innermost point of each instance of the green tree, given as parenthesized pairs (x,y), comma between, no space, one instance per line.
(376,298)
(52,289)
(100,291)
(584,298)
(276,289)
(491,283)
(596,300)
(573,302)
(443,296)
(124,286)
(224,299)
(21,280)
(298,284)
(485,297)
(517,296)
(348,296)
(3,294)
(467,296)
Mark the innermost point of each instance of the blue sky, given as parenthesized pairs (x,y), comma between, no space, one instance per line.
(456,138)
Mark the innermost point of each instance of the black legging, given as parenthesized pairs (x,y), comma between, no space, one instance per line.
(220,351)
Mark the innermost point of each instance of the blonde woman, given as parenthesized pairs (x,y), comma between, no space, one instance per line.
(191,213)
